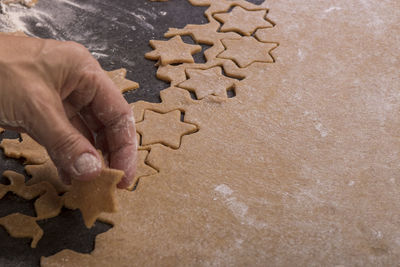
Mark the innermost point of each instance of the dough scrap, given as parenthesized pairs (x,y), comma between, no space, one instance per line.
(46,172)
(17,186)
(247,50)
(3,190)
(22,226)
(243,21)
(164,128)
(49,204)
(118,77)
(27,148)
(298,159)
(207,82)
(95,196)
(172,51)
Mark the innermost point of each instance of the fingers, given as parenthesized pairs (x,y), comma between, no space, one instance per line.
(111,117)
(71,151)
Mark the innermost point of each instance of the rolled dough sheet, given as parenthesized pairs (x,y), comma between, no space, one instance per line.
(300,168)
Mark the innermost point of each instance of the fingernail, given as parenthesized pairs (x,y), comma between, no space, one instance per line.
(86,164)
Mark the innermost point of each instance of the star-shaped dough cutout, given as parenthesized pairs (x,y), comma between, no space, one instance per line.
(142,168)
(118,77)
(166,129)
(247,50)
(207,82)
(243,21)
(28,148)
(172,51)
(95,196)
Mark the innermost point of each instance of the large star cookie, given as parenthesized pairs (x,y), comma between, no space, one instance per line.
(207,82)
(247,50)
(243,21)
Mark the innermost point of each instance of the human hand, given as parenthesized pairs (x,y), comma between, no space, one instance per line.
(58,93)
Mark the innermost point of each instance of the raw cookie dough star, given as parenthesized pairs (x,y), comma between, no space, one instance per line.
(118,77)
(172,51)
(243,21)
(207,82)
(166,129)
(95,196)
(247,50)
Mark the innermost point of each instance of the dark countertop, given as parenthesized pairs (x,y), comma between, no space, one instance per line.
(118,33)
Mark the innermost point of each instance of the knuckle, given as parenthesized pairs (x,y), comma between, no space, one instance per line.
(64,146)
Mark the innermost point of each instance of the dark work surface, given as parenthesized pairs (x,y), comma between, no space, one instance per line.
(117,32)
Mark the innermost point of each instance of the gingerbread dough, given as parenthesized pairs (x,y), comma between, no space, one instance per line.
(22,226)
(300,168)
(118,77)
(27,148)
(95,196)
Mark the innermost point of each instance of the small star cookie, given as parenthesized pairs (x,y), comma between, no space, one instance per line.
(172,51)
(118,77)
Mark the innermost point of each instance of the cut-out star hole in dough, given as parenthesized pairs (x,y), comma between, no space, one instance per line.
(207,82)
(142,168)
(247,50)
(172,51)
(243,21)
(166,129)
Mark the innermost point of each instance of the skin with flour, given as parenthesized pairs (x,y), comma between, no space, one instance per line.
(70,99)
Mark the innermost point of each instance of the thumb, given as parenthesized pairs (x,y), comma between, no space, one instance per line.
(72,153)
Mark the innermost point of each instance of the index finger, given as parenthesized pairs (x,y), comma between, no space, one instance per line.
(116,116)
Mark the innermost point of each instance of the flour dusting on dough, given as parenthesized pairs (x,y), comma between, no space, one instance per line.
(224,189)
(238,208)
(332,8)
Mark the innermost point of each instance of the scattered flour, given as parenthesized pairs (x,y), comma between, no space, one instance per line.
(332,8)
(141,19)
(239,209)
